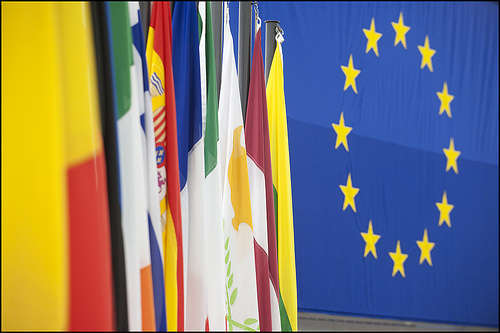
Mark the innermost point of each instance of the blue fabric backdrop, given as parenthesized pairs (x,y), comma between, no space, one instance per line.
(395,157)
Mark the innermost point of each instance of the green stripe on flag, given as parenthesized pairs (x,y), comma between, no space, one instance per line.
(200,24)
(212,121)
(285,322)
(122,54)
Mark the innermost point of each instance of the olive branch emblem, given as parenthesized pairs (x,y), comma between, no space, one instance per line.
(248,323)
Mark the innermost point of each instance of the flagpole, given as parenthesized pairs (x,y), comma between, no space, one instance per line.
(145,10)
(216,7)
(244,40)
(271,26)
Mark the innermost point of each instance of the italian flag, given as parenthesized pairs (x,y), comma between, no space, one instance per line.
(215,270)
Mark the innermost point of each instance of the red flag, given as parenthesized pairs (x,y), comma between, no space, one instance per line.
(258,149)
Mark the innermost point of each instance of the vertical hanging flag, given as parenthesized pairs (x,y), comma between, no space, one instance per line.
(133,192)
(186,69)
(90,292)
(213,194)
(159,58)
(261,192)
(155,225)
(240,289)
(34,213)
(280,163)
(108,108)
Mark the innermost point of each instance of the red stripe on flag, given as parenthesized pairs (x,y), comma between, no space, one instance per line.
(159,114)
(91,287)
(159,136)
(263,294)
(160,125)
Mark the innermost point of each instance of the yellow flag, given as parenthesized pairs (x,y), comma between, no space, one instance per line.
(280,164)
(34,220)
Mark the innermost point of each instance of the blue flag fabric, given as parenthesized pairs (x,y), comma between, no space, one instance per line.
(187,81)
(186,70)
(400,153)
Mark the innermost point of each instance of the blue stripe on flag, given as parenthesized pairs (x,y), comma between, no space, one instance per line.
(158,282)
(186,68)
(138,39)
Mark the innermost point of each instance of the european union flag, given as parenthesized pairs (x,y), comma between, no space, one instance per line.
(393,131)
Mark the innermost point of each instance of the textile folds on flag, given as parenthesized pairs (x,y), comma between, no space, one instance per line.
(261,193)
(109,114)
(401,130)
(213,195)
(280,163)
(186,70)
(159,59)
(240,289)
(34,205)
(155,225)
(90,274)
(133,191)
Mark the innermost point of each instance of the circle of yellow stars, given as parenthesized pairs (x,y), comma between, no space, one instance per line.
(342,131)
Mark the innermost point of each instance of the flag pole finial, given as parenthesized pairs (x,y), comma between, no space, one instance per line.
(255,5)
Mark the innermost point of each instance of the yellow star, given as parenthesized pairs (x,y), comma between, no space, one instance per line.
(342,132)
(398,258)
(451,156)
(401,29)
(370,239)
(427,54)
(445,99)
(425,249)
(349,194)
(444,210)
(372,37)
(350,75)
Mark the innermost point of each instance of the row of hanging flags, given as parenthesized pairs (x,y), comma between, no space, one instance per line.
(133,195)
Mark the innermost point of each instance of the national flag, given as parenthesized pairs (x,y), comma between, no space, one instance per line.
(159,59)
(213,195)
(133,191)
(155,225)
(240,289)
(35,268)
(186,70)
(109,113)
(261,193)
(280,164)
(90,293)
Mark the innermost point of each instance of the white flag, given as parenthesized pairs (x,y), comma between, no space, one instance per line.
(241,288)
